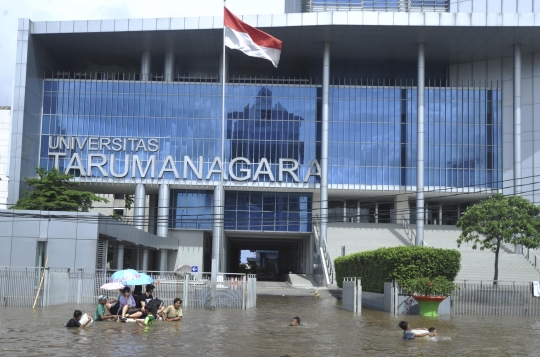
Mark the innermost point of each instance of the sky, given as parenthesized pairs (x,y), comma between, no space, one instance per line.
(57,10)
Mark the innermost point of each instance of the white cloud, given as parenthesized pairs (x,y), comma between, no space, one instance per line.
(51,10)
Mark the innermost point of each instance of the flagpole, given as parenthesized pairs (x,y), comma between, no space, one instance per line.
(223,101)
(219,218)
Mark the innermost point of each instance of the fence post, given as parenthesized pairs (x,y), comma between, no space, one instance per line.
(244,292)
(359,296)
(79,287)
(46,281)
(251,290)
(186,288)
(395,296)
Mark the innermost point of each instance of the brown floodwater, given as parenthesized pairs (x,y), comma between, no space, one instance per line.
(326,330)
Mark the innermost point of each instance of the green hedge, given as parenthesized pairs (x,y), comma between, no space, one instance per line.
(402,263)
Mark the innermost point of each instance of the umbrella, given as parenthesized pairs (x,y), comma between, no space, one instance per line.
(112,286)
(143,279)
(130,277)
(124,275)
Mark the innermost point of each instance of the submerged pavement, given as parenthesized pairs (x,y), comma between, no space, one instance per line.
(280,288)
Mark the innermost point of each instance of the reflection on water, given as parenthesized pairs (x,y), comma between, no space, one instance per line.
(326,331)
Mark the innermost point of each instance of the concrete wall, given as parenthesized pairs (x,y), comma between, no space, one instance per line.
(373,301)
(31,63)
(501,70)
(191,247)
(5,126)
(383,302)
(71,243)
(504,6)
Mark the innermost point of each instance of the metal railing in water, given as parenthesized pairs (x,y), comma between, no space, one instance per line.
(18,287)
(506,298)
(477,297)
(328,267)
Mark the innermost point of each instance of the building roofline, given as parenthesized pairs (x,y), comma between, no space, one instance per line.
(339,18)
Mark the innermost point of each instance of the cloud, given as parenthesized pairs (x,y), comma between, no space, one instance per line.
(57,10)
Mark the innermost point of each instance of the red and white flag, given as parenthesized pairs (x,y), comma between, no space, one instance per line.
(253,42)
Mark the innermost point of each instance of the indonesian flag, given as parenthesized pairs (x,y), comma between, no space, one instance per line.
(253,42)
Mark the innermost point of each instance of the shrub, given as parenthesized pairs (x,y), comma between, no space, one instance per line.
(439,286)
(401,263)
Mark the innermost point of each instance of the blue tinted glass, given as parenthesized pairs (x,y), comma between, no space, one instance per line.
(191,209)
(372,130)
(372,137)
(268,211)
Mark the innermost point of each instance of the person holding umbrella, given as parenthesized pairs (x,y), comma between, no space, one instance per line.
(114,304)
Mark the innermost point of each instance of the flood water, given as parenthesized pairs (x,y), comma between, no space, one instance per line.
(327,330)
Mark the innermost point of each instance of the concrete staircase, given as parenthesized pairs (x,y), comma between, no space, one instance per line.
(478,264)
(360,237)
(475,264)
(300,281)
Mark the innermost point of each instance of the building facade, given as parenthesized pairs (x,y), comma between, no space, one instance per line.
(372,116)
(5,126)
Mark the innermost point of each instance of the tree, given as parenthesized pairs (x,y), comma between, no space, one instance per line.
(128,203)
(500,219)
(52,191)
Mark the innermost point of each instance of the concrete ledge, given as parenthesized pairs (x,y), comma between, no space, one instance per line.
(301,281)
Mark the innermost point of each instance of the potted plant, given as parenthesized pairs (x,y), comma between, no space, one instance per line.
(429,293)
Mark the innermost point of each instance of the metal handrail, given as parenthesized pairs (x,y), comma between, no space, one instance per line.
(323,247)
(408,230)
(536,258)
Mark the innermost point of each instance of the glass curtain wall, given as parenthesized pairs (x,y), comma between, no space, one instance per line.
(372,140)
(192,209)
(268,211)
(372,137)
(263,122)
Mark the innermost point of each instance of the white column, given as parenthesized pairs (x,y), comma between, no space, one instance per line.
(217,232)
(324,141)
(163,260)
(120,257)
(169,66)
(144,263)
(376,212)
(139,206)
(146,65)
(401,206)
(440,214)
(163,210)
(517,119)
(420,148)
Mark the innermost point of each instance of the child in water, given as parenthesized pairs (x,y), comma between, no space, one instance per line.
(433,332)
(147,321)
(74,322)
(408,334)
(295,321)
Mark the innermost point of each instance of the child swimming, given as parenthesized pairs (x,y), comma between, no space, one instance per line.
(410,334)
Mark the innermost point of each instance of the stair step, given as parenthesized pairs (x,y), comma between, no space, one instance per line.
(476,264)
